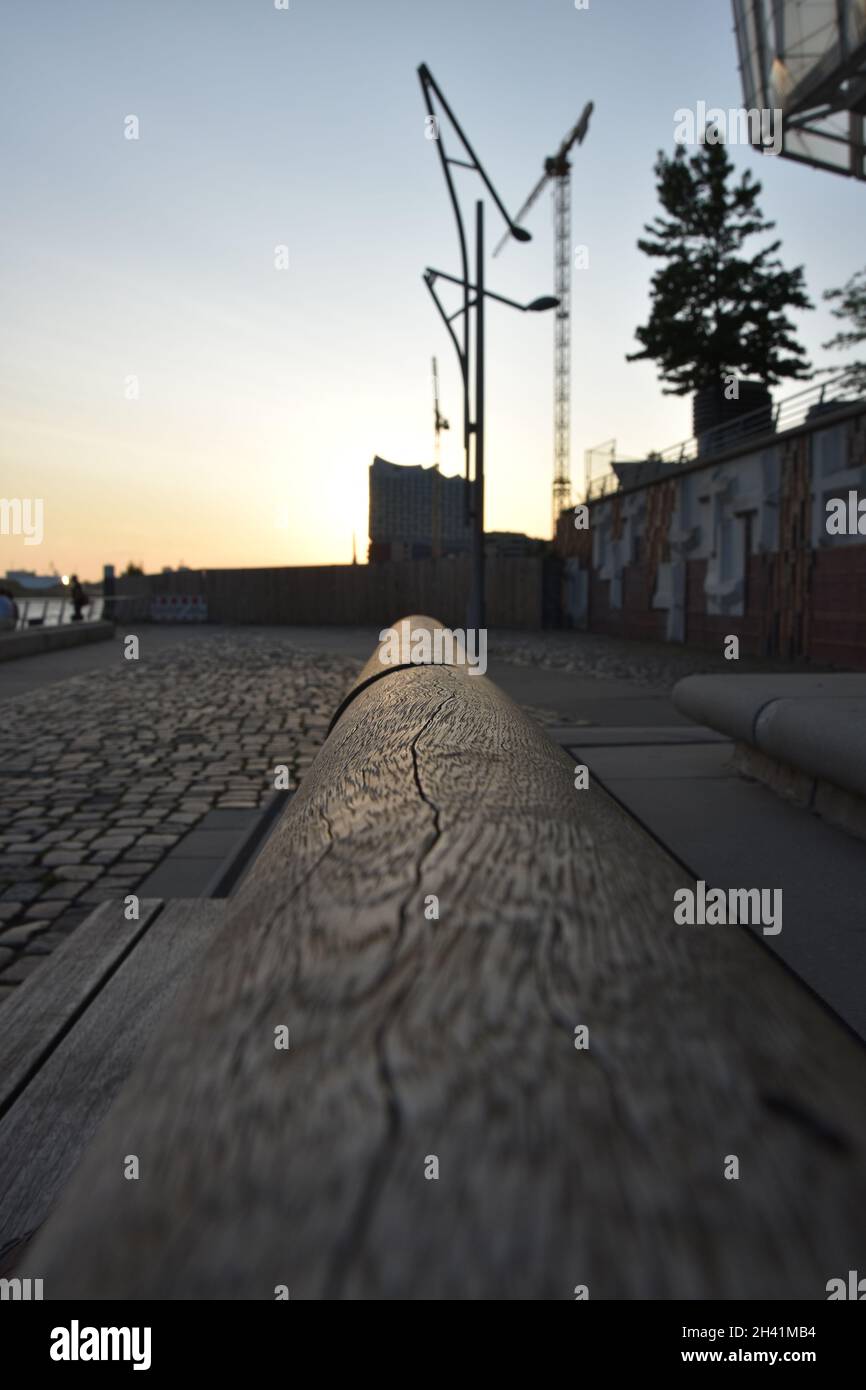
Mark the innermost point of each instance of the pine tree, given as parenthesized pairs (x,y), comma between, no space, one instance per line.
(716,311)
(853,308)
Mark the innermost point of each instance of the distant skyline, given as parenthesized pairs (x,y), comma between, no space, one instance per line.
(263,394)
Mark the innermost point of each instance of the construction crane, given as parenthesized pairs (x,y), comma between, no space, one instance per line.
(439,421)
(558,168)
(439,424)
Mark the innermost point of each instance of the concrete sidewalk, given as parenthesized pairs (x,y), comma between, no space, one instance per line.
(563,698)
(676,776)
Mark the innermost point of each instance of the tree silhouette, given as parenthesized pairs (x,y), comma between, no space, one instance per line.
(716,311)
(853,309)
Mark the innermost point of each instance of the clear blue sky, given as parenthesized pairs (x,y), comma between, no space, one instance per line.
(264,394)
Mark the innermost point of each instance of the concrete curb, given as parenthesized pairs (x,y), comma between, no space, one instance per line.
(35,640)
(814,724)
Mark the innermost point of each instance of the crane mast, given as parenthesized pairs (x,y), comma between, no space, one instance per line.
(558,169)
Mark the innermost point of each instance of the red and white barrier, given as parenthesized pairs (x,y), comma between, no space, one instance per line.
(178,608)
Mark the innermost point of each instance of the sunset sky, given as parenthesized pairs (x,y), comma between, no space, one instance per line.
(265,393)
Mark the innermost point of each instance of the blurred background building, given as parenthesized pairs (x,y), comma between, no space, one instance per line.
(415,513)
(418,513)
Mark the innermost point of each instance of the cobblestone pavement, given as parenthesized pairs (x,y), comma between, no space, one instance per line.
(102,774)
(655,665)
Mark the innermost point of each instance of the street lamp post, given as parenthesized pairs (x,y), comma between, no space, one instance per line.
(476,592)
(430,89)
(476,614)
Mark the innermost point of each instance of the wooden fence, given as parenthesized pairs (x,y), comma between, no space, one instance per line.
(356,595)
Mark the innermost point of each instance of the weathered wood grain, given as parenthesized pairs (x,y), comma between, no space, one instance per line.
(41,1009)
(47,1128)
(455,1037)
(382,660)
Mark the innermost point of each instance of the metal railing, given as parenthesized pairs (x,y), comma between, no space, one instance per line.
(600,487)
(50,611)
(58,611)
(786,414)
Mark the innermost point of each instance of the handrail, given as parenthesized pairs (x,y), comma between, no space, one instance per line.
(42,611)
(452,1043)
(383,662)
(36,610)
(787,414)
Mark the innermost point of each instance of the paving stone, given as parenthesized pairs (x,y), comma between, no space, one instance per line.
(15,939)
(22,893)
(179,878)
(44,909)
(61,890)
(225,819)
(147,852)
(216,844)
(196,729)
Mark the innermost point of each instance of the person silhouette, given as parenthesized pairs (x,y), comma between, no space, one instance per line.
(79,598)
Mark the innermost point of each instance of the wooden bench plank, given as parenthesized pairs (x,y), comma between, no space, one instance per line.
(414,1037)
(44,1007)
(49,1125)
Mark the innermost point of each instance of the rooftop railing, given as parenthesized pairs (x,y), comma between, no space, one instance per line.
(786,414)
